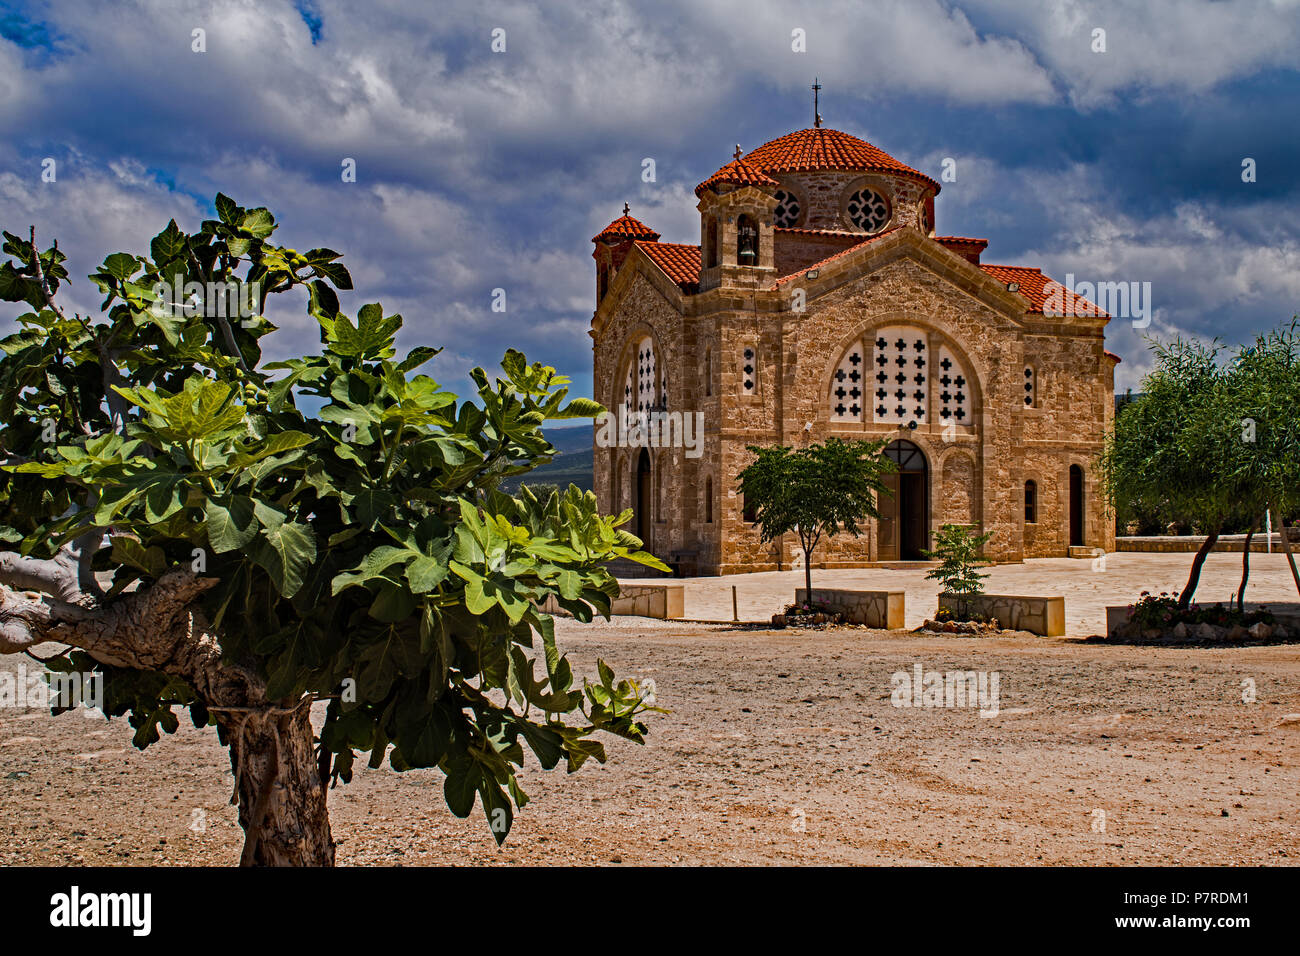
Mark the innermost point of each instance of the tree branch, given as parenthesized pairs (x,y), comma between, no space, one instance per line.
(157,628)
(59,576)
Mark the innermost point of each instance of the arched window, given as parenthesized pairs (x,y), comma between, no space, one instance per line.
(1031,502)
(711,244)
(708,500)
(746,242)
(748,511)
(602,284)
(891,378)
(643,389)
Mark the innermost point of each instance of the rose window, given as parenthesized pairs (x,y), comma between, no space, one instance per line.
(868,210)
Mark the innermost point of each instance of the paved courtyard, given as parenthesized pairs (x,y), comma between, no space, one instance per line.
(1087,588)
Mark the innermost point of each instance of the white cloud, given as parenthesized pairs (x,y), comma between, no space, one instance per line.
(91,213)
(1185,46)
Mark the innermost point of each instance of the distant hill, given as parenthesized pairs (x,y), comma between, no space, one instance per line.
(573,462)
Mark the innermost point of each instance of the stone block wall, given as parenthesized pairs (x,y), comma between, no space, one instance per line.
(882,609)
(1188,543)
(663,601)
(797,250)
(1037,615)
(1285,613)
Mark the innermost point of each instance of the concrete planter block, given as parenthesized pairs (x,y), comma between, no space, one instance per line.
(663,601)
(1116,617)
(1286,615)
(1037,615)
(882,609)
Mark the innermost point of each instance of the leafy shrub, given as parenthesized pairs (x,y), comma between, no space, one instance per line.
(957,551)
(1162,613)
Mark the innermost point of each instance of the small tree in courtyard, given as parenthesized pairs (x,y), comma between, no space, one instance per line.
(1262,407)
(816,491)
(957,550)
(1211,442)
(1173,450)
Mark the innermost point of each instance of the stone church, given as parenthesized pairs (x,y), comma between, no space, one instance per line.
(820,301)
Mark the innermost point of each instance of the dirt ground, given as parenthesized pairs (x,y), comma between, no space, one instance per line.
(781,747)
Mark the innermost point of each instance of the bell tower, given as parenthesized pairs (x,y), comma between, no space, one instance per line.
(613,243)
(737,208)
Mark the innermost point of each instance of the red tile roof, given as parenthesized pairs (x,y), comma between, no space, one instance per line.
(680,262)
(1044,291)
(736,173)
(821,148)
(839,255)
(625,227)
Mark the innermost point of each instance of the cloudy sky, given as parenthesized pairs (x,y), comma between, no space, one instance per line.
(479,169)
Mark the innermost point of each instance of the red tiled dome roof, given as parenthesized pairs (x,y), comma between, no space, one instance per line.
(736,173)
(822,148)
(624,228)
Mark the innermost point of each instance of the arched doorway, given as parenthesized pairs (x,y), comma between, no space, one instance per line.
(903,531)
(1076,506)
(642,504)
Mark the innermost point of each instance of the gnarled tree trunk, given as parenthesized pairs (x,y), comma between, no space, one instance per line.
(279,789)
(278,785)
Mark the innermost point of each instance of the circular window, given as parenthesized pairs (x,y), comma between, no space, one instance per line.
(868,210)
(787,209)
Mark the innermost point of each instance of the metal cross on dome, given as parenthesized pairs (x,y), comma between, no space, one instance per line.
(817,116)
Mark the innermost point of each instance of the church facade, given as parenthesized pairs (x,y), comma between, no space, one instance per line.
(820,301)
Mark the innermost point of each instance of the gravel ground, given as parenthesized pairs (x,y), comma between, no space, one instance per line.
(781,747)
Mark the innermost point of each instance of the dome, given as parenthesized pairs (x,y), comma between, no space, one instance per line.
(625,227)
(819,148)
